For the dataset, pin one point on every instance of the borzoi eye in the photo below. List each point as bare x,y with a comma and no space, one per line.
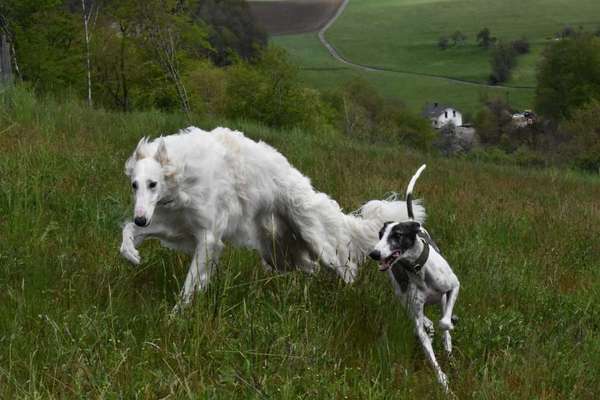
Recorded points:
152,185
134,185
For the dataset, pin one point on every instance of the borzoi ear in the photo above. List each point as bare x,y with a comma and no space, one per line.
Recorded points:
139,153
161,153
141,149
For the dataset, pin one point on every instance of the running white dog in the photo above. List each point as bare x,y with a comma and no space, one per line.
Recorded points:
195,189
420,276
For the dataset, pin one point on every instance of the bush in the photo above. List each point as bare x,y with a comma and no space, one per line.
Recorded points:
365,115
520,46
568,76
583,132
270,92
443,42
502,60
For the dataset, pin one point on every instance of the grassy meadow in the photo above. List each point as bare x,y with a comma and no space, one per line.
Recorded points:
77,321
320,70
402,36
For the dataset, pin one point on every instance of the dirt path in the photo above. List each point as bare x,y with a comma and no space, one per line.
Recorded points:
371,68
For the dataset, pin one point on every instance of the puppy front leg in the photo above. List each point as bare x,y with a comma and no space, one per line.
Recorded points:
198,276
418,319
446,321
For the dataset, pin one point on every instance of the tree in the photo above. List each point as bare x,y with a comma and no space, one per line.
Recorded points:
502,60
485,39
89,14
520,46
494,123
458,38
233,30
568,76
443,42
583,133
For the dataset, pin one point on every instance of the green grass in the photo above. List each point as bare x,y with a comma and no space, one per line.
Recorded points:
76,321
320,70
402,35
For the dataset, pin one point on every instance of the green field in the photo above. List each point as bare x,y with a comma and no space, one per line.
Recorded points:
402,35
77,321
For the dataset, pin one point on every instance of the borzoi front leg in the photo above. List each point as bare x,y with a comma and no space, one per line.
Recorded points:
133,236
205,257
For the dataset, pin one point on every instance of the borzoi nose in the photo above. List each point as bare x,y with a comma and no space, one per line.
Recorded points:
375,255
140,221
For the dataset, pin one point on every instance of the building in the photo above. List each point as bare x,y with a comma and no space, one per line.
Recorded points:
441,115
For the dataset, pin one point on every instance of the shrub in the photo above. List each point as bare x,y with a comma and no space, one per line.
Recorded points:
520,46
583,132
443,42
502,60
365,115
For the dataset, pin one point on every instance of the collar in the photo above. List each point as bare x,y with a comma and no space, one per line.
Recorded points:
164,202
414,266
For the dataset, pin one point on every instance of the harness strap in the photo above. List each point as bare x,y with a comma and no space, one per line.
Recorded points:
416,265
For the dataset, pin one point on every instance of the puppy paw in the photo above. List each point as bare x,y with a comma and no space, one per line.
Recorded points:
445,324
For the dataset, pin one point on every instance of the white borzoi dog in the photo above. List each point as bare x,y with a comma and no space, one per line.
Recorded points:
195,190
420,275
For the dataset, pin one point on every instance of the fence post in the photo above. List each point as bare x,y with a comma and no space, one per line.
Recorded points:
5,62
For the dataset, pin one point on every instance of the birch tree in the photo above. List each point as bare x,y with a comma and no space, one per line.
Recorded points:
89,13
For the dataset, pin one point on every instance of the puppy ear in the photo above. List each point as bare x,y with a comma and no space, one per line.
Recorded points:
414,226
161,153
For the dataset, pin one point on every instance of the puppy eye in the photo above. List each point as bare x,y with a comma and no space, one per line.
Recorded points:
152,185
134,185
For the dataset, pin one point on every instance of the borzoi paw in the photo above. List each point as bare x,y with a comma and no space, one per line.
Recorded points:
445,324
129,251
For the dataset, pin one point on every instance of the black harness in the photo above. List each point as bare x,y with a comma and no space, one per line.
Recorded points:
412,266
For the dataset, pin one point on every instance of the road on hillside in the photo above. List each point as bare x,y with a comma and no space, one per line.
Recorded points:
371,68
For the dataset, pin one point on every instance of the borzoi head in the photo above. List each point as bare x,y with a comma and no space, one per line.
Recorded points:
148,172
395,238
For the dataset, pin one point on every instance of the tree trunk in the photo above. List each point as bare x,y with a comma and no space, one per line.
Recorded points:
86,19
5,61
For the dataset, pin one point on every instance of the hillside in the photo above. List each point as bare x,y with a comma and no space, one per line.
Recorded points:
77,321
401,36
286,17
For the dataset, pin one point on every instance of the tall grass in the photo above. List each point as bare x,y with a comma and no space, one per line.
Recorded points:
76,321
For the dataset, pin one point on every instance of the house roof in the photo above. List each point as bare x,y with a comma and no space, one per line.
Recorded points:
434,110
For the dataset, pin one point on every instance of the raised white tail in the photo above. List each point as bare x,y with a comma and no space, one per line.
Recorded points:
409,190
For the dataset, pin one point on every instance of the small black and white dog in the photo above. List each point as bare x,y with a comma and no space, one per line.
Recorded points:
420,276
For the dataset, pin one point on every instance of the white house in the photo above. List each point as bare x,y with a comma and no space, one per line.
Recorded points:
441,115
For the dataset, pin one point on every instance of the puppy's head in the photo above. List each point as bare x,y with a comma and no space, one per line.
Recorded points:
395,238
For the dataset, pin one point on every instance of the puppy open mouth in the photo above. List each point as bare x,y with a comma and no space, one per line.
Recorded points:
387,262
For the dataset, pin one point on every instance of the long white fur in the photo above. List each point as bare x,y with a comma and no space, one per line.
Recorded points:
221,186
